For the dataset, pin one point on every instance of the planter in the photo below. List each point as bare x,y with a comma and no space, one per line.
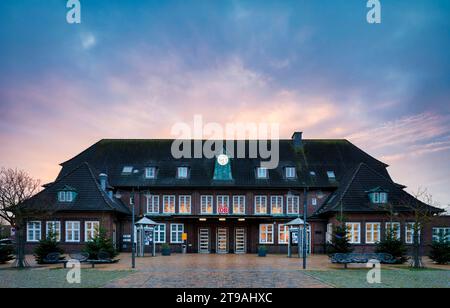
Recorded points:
165,251
262,252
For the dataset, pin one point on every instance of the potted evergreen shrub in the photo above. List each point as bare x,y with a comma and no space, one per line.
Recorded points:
47,246
440,250
100,242
262,251
165,249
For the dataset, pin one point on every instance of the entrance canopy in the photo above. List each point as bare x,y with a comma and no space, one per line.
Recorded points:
146,222
296,222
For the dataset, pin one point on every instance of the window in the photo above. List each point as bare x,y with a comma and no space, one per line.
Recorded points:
238,204
378,197
290,172
206,204
222,205
169,204
393,228
90,230
441,234
127,170
409,233
152,204
260,205
266,234
331,175
182,172
329,233
383,197
176,233
53,227
33,231
184,204
72,231
276,205
283,234
292,203
160,233
314,201
372,232
261,173
65,196
354,232
150,173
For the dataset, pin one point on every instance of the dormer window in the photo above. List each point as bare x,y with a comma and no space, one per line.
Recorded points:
378,195
150,173
127,170
290,172
66,196
331,175
261,173
182,172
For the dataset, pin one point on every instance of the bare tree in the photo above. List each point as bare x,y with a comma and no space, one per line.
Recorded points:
16,187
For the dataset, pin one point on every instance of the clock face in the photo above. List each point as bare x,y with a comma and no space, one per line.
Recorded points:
222,159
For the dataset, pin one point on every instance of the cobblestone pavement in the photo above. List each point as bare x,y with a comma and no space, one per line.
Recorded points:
218,271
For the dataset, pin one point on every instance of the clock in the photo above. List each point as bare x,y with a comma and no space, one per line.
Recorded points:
222,159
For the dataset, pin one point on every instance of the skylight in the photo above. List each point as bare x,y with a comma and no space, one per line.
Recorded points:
127,169
331,175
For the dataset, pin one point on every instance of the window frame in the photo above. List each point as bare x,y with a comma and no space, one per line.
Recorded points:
34,229
262,197
73,231
224,197
182,176
184,198
435,237
331,175
266,232
178,232
202,204
388,226
152,204
412,233
296,197
370,237
56,230
159,233
289,175
351,232
91,229
258,174
170,197
240,205
286,232
149,175
279,205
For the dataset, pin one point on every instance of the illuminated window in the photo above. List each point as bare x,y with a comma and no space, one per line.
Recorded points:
184,204
222,205
292,204
266,234
353,232
372,232
276,205
260,204
206,204
169,204
238,204
283,234
409,233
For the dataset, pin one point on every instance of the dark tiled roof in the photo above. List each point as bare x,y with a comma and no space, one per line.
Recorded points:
89,195
352,195
110,156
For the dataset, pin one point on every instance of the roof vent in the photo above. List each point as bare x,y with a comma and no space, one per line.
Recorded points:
297,140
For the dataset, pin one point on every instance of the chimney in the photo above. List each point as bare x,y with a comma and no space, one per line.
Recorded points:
103,180
297,140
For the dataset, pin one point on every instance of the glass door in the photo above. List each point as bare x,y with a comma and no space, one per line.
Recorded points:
203,240
239,240
222,240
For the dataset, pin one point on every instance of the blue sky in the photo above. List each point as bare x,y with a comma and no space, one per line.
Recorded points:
132,69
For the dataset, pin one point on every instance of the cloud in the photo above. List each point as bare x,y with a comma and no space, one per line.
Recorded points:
88,40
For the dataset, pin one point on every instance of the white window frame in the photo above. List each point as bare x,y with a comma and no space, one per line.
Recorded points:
260,205
221,199
91,227
206,200
179,233
65,196
182,172
152,203
383,197
407,231
36,228
150,173
350,226
266,232
398,231
373,228
186,200
160,233
436,233
72,231
283,229
291,210
290,172
239,204
277,204
262,173
169,197
314,201
55,226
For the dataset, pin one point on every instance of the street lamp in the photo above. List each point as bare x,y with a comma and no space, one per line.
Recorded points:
305,214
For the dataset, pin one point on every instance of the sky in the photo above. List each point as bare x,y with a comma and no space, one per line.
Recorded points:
132,69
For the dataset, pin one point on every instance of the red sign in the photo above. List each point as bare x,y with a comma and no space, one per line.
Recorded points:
223,209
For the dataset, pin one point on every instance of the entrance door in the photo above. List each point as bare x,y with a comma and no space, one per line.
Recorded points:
222,240
203,240
239,240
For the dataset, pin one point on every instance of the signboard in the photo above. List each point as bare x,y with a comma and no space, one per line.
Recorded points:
223,209
126,238
184,236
